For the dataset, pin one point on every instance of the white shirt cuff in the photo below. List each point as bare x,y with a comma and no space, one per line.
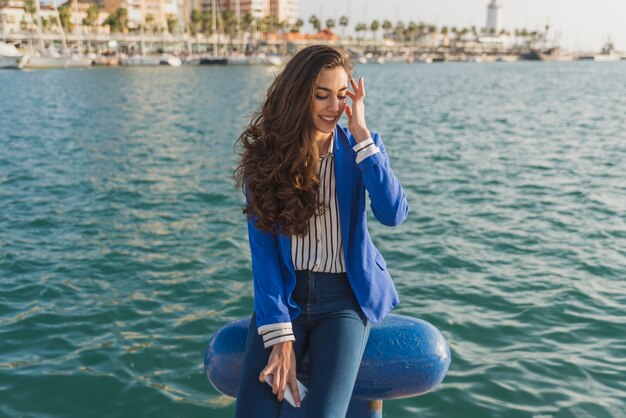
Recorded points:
272,341
276,333
371,150
358,147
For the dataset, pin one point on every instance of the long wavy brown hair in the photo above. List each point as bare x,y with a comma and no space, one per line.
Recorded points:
278,166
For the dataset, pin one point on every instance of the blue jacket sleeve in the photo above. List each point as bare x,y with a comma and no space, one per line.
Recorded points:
388,201
270,301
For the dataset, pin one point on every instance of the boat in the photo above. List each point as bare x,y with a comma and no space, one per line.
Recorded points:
259,59
138,60
608,54
507,58
471,58
424,59
171,60
47,59
108,60
213,60
550,54
10,57
78,60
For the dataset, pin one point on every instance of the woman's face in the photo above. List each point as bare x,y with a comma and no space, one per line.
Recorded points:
329,100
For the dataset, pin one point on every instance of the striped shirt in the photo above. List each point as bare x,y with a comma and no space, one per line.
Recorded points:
322,248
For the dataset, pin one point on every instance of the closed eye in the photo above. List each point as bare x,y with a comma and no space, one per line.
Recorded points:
318,97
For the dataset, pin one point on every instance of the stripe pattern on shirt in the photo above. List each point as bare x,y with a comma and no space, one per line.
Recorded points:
321,249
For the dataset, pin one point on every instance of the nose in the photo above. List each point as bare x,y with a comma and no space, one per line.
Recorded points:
334,104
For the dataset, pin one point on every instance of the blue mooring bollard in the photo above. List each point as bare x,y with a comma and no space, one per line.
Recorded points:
404,357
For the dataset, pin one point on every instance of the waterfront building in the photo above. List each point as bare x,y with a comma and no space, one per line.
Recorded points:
15,19
493,24
138,10
279,10
257,8
11,15
79,8
284,11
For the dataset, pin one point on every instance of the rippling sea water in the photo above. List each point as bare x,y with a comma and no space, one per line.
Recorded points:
123,248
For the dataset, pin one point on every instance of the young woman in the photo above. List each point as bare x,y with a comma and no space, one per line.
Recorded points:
319,282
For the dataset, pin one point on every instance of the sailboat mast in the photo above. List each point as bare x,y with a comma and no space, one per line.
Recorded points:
39,30
56,13
76,15
214,26
239,36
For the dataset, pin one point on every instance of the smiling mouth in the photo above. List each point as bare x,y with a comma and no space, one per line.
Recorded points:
328,118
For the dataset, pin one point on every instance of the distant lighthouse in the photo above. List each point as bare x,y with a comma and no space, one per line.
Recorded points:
493,26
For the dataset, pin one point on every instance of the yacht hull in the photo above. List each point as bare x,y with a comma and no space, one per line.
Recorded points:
36,62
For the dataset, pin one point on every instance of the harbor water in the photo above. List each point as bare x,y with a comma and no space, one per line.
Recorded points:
123,247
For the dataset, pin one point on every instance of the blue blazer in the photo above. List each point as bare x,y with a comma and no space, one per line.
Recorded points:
272,269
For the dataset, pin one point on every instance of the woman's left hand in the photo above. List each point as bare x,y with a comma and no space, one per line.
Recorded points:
356,112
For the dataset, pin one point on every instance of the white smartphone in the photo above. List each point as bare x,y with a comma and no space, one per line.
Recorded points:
288,394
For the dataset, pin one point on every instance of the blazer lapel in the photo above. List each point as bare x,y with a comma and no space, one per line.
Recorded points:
344,173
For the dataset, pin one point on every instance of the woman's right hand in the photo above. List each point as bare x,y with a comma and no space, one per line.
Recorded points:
282,365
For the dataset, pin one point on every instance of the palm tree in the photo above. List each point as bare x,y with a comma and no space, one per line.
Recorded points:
281,25
296,26
265,25
46,24
454,31
65,16
229,23
149,22
399,31
421,28
172,24
343,22
387,26
360,27
207,27
246,22
122,15
374,28
444,32
330,24
315,22
412,31
31,9
196,22
91,19
113,22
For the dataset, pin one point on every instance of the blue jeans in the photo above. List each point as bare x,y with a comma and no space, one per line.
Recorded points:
332,329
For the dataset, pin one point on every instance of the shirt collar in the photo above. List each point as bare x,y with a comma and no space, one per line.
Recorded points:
332,141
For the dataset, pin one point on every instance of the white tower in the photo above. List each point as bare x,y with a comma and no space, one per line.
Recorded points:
493,26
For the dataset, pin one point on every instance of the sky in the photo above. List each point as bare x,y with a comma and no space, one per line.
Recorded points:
581,25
